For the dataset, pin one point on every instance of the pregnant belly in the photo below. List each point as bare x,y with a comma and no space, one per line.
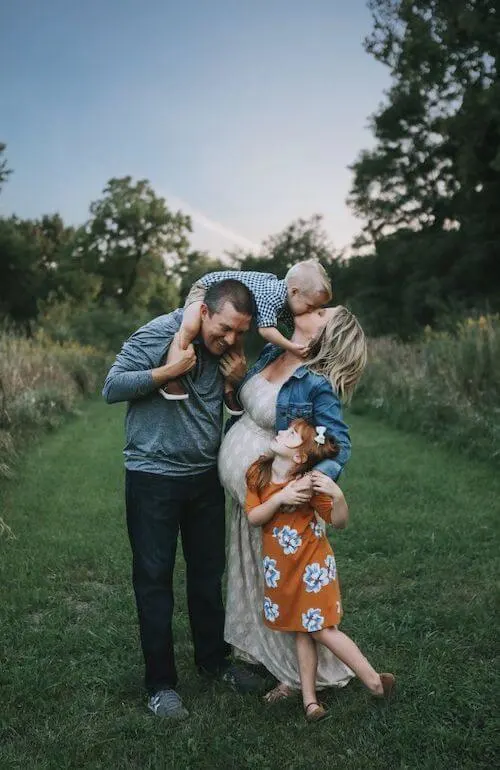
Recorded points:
242,445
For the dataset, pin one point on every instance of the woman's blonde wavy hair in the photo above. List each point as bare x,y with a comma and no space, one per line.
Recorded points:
339,352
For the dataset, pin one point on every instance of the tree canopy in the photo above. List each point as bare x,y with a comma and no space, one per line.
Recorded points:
4,169
428,191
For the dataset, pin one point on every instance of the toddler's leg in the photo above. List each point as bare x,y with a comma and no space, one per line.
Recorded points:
191,324
190,327
307,657
350,654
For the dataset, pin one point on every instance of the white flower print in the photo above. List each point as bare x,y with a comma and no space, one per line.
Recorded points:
288,538
313,620
331,567
316,528
271,574
271,610
315,577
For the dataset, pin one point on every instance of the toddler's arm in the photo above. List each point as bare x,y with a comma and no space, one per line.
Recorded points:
271,334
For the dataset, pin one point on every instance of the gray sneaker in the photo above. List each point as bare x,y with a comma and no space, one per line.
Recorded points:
166,703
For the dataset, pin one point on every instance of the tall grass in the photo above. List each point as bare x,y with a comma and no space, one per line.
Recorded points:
446,387
41,381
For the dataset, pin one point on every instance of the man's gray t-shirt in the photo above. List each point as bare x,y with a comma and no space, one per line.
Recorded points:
173,438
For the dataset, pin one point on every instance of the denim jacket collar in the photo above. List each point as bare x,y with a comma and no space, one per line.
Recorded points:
300,372
271,353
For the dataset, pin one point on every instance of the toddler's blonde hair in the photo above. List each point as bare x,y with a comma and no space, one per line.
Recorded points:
310,277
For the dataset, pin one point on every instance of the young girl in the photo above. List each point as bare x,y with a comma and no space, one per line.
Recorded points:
301,583
305,287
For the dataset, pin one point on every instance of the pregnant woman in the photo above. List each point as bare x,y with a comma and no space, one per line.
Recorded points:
277,390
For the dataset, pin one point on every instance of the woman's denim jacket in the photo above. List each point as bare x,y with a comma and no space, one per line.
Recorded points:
310,396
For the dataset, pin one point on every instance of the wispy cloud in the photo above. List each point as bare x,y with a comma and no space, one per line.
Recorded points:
202,220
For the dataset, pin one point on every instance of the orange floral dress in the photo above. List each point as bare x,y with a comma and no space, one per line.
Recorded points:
301,591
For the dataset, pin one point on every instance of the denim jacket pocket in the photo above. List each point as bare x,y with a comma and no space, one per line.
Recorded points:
300,410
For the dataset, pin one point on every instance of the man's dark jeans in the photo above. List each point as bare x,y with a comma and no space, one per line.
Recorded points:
157,507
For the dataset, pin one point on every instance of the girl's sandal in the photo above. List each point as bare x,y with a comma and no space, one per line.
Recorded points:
388,683
280,692
315,714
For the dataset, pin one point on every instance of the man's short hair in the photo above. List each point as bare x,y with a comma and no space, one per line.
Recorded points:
235,292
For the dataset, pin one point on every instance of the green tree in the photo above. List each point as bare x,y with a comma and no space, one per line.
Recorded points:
129,239
429,189
437,150
37,268
192,266
21,278
302,239
5,171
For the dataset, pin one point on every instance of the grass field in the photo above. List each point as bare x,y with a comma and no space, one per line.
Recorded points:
417,566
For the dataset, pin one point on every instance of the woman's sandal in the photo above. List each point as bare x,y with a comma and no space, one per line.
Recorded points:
280,692
314,715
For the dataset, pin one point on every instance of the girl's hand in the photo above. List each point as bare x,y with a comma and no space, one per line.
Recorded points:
324,485
297,492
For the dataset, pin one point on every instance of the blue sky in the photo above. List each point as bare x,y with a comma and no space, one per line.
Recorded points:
245,113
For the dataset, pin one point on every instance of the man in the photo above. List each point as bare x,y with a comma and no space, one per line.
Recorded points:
172,483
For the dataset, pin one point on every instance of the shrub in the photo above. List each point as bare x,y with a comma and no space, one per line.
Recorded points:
447,386
103,326
41,382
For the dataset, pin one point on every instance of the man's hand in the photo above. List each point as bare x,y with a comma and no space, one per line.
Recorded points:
178,363
181,360
233,366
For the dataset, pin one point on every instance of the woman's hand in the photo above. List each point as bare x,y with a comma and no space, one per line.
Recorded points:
297,492
324,485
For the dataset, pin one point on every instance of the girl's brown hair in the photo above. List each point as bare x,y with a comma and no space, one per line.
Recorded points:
259,474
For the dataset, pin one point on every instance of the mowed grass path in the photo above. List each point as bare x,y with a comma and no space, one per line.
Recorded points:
417,566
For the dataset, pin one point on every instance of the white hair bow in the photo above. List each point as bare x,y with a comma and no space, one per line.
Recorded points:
320,438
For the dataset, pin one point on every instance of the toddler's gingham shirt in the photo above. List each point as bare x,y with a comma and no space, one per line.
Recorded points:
270,294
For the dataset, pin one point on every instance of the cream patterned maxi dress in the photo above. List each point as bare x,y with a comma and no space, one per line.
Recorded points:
252,641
